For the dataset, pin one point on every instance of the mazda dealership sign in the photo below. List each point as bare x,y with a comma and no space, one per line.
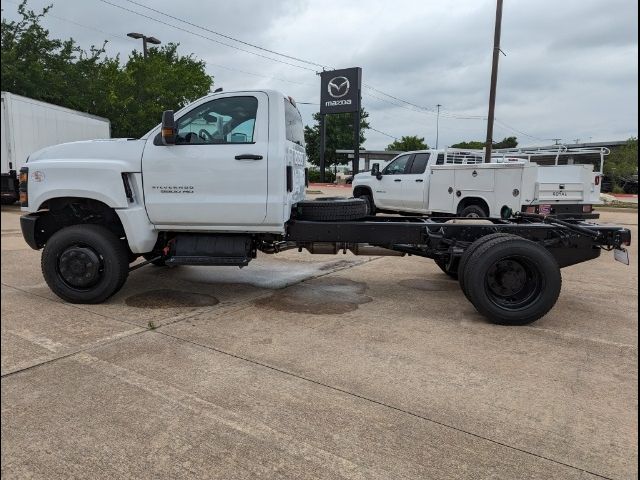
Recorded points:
340,90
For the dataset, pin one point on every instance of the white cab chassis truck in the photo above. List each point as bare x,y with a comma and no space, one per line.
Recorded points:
29,125
457,182
225,177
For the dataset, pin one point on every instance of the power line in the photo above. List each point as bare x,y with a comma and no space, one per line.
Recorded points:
227,36
205,37
383,133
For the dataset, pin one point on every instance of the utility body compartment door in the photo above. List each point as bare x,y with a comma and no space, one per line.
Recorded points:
216,173
441,189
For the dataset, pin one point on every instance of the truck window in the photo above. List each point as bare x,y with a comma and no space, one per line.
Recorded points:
398,166
220,121
440,159
293,123
419,164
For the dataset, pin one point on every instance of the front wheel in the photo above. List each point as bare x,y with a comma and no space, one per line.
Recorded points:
512,281
85,263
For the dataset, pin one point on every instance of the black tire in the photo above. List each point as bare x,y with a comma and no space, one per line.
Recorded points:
512,281
464,259
450,269
64,268
158,263
371,207
331,209
473,211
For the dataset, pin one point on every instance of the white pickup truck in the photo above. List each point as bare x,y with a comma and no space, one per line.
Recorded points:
224,178
457,182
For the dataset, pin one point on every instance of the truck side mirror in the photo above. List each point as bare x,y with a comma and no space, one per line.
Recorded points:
375,171
168,129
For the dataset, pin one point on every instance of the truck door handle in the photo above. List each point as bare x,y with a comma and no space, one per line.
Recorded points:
419,180
397,180
248,156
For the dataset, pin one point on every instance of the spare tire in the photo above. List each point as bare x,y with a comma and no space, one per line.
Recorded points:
332,209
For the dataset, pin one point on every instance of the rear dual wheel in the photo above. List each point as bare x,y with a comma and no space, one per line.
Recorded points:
510,280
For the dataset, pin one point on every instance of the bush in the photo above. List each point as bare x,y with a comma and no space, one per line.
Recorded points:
617,189
314,176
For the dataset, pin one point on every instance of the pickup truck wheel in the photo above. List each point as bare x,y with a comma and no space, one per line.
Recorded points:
512,281
473,211
85,263
464,259
371,207
332,209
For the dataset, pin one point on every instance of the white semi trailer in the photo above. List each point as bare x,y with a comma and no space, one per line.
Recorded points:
29,125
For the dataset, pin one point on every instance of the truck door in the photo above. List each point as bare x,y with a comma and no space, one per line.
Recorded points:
388,190
415,183
216,173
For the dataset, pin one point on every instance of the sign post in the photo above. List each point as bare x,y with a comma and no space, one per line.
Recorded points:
340,92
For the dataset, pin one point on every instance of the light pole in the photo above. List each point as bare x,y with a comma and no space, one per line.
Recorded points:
145,40
437,124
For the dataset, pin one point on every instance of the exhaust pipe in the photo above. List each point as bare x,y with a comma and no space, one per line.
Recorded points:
331,248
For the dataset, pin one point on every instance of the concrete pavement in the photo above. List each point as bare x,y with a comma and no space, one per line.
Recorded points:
303,366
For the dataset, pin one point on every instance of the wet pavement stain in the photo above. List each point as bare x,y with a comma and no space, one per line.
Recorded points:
170,299
338,264
429,285
320,296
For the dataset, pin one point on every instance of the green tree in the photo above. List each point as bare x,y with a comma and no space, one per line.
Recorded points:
623,161
407,144
339,137
507,142
132,95
162,81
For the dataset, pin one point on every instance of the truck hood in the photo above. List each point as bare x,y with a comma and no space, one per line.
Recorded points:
124,151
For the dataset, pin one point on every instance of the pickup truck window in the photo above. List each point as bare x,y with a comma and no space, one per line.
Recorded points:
419,164
293,123
220,121
398,166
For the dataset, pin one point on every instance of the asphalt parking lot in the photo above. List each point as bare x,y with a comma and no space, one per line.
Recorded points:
303,366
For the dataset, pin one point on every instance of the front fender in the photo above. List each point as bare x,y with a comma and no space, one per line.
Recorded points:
99,181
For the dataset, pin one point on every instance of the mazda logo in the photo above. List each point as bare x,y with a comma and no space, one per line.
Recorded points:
338,87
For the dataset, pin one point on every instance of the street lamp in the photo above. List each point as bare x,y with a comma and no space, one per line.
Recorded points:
145,40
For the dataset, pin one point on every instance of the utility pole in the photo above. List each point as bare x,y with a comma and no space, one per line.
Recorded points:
576,140
437,125
556,140
494,81
145,40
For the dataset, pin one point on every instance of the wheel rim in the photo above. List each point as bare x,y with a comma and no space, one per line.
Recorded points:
513,283
472,215
80,267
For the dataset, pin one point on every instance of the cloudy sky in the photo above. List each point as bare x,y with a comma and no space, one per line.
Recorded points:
570,70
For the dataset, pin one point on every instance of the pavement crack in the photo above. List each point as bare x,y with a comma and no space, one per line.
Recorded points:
75,351
385,405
